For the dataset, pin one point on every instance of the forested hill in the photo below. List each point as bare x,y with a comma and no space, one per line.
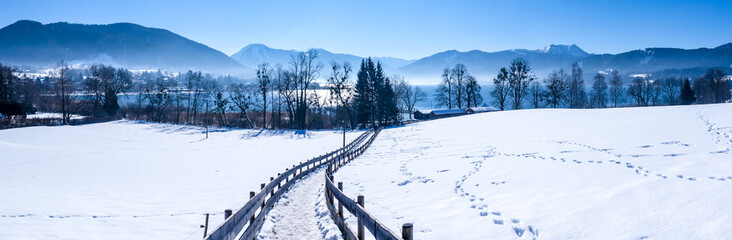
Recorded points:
122,44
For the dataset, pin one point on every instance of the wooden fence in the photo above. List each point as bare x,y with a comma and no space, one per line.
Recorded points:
246,222
356,208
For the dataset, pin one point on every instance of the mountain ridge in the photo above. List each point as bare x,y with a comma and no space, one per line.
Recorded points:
122,44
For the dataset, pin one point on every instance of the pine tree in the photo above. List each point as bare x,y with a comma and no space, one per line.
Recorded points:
363,98
687,95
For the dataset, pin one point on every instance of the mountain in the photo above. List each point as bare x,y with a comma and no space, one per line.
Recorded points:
487,63
656,59
255,54
120,44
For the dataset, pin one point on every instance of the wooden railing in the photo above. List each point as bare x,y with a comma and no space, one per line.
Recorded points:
356,208
246,222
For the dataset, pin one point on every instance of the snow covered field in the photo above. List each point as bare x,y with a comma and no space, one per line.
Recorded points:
629,173
129,180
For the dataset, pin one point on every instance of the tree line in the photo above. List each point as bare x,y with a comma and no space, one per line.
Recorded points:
517,87
279,97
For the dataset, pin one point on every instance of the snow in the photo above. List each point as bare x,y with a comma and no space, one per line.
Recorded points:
44,115
301,213
641,75
628,173
132,180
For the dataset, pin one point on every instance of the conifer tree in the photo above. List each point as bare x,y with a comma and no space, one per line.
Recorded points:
687,95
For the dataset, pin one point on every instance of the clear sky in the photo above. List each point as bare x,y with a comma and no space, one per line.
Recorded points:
406,29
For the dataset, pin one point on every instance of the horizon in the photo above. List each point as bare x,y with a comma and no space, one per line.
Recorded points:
409,59
470,25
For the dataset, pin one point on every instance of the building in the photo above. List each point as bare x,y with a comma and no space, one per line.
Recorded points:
422,114
443,113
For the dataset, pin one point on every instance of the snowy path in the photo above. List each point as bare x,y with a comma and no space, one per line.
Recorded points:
301,213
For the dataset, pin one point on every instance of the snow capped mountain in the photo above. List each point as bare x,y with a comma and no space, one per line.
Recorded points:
564,49
255,54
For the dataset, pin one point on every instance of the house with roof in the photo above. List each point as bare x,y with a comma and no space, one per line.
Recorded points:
443,113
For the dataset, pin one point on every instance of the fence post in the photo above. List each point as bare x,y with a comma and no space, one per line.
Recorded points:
227,214
340,205
271,179
251,195
331,194
265,196
360,202
205,227
407,231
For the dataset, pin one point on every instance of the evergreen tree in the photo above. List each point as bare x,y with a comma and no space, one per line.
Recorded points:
687,95
375,99
362,99
389,104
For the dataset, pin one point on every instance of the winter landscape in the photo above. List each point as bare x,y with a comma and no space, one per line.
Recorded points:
365,120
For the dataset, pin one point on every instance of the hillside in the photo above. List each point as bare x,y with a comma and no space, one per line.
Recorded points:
487,63
657,59
627,173
120,44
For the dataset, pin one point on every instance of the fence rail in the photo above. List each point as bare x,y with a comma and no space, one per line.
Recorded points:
356,208
246,222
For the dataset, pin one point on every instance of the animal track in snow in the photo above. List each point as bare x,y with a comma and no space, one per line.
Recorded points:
497,217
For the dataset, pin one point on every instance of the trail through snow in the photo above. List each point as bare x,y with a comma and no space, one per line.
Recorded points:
301,212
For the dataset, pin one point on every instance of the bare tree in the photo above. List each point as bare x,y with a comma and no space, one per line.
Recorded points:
408,95
221,104
598,98
472,91
157,94
519,78
305,70
264,85
444,93
640,91
193,83
672,90
576,88
536,94
655,92
340,89
556,84
616,88
242,98
64,92
459,75
501,88
719,88
96,83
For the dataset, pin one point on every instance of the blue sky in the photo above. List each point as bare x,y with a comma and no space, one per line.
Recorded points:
407,29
